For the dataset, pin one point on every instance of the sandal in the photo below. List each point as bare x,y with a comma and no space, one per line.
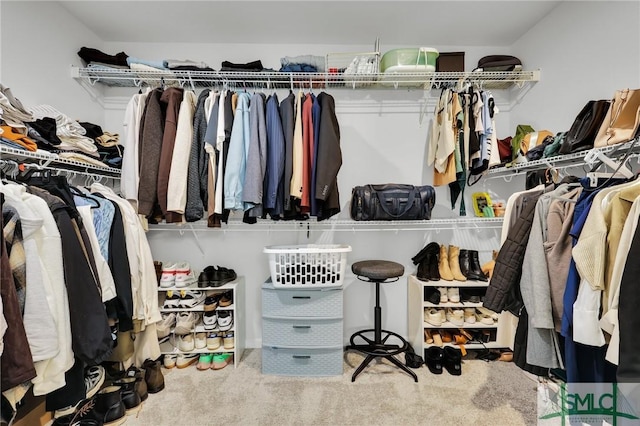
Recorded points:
204,362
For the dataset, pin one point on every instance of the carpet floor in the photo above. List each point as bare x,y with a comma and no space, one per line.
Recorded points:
495,393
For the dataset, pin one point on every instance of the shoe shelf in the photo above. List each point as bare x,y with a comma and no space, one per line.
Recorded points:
470,346
454,283
170,346
416,302
199,308
447,324
453,305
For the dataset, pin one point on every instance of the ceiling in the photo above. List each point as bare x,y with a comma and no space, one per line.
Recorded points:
434,23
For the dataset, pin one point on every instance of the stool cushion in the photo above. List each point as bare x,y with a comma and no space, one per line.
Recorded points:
377,270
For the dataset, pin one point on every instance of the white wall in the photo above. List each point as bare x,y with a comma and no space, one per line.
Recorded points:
39,44
586,50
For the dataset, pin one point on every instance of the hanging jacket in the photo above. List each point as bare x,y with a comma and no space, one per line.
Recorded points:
91,335
237,159
505,280
150,151
171,99
287,116
197,174
329,159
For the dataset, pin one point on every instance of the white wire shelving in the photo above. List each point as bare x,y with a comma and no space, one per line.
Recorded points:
339,225
55,163
575,159
272,80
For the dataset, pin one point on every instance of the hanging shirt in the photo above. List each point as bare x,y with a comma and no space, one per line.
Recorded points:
257,155
238,151
275,159
220,136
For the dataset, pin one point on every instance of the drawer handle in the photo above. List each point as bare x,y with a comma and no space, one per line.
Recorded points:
301,356
301,297
301,326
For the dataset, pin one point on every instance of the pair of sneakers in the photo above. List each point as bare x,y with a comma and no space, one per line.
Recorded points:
177,274
179,360
221,319
183,299
437,317
449,294
214,361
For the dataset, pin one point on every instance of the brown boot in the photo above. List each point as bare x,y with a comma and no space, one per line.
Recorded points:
487,268
153,376
454,263
443,265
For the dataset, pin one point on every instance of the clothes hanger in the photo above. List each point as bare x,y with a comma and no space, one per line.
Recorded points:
79,193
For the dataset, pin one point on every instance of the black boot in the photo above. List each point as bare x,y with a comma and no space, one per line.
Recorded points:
153,376
434,260
422,254
434,359
423,271
105,407
141,384
130,397
465,262
475,271
453,360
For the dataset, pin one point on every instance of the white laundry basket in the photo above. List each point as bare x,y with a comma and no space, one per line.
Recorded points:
307,266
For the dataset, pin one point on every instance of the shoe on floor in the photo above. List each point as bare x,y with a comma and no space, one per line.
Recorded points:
221,360
185,322
93,379
185,360
169,360
435,358
213,340
153,376
204,362
225,320
130,398
453,360
228,340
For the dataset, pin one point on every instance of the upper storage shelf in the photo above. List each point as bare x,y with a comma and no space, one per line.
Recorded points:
272,80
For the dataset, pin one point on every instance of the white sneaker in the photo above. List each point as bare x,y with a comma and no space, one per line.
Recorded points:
169,360
168,277
164,327
183,269
214,340
201,340
470,315
185,360
171,300
210,320
93,379
443,294
453,294
489,312
455,316
225,320
185,322
485,316
186,343
433,316
191,298
185,280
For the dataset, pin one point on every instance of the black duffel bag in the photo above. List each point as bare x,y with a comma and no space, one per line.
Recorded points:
392,202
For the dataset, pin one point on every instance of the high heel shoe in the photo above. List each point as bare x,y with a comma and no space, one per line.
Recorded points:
453,360
435,358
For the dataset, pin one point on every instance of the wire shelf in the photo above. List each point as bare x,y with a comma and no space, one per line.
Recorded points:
60,164
563,161
269,80
340,225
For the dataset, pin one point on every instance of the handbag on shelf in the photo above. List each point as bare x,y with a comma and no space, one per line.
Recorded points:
585,127
622,120
392,202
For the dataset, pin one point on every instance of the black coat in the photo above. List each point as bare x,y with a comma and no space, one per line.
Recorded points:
329,159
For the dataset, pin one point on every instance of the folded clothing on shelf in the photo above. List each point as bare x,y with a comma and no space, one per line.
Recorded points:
314,61
185,63
89,54
254,66
158,64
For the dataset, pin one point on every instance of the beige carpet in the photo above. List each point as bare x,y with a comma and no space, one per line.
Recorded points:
495,393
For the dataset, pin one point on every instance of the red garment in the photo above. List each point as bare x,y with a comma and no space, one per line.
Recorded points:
307,153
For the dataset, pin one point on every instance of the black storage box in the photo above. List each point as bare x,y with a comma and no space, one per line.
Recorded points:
450,62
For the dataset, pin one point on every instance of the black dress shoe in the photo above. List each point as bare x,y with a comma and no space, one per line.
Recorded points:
205,277
434,359
222,275
453,360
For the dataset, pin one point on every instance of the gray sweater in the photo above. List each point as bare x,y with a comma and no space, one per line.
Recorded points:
197,175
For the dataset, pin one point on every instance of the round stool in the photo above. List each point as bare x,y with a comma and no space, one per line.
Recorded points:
373,342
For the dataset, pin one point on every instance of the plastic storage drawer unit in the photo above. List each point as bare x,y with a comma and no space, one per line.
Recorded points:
302,332
301,303
302,361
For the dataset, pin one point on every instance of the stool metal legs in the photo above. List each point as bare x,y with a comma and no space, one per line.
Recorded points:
378,347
